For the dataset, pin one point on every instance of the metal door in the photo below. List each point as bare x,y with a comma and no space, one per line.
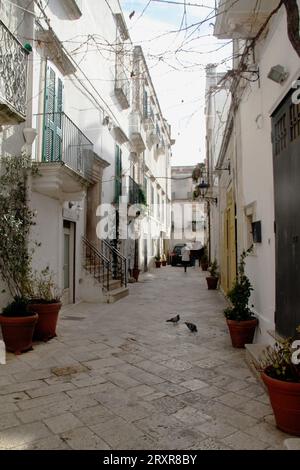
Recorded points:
286,162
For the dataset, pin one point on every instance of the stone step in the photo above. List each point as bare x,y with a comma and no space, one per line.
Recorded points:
292,444
116,294
114,284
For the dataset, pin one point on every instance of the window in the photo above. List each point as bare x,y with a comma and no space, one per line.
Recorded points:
280,135
158,206
152,201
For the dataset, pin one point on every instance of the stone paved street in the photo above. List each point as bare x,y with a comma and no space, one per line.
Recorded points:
119,377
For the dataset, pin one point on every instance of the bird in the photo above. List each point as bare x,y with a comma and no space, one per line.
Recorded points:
191,327
174,319
131,14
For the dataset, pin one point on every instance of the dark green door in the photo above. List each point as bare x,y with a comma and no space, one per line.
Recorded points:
286,162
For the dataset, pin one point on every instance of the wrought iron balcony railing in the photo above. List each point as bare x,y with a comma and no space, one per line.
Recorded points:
136,195
64,142
13,78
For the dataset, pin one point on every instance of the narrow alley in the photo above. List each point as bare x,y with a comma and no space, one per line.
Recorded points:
119,377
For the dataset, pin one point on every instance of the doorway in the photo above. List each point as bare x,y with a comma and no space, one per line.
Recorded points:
286,166
68,262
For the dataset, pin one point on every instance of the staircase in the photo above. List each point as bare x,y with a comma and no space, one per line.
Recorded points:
106,270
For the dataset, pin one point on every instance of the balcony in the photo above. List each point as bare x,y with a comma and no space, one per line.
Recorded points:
74,8
242,19
136,194
68,162
13,78
136,133
122,90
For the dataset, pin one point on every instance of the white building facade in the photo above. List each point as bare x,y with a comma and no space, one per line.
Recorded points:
258,197
75,81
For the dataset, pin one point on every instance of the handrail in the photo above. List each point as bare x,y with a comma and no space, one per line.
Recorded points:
114,249
105,264
118,262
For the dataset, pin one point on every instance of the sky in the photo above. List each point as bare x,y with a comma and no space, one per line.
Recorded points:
177,63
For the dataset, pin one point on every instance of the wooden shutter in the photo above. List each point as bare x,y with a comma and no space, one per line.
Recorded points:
53,121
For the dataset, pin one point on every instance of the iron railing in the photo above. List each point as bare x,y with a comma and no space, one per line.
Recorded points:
118,262
136,195
13,72
64,142
96,263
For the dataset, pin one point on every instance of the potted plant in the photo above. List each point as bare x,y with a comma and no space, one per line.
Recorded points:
157,261
17,326
164,260
240,319
204,260
213,279
45,299
16,220
280,372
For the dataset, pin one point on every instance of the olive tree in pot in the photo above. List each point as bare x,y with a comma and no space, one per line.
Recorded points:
240,319
45,299
213,279
280,371
16,220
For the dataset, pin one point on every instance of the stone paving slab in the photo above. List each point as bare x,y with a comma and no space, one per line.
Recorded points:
123,378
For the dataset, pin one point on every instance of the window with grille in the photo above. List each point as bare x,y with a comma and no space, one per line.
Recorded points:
294,121
280,135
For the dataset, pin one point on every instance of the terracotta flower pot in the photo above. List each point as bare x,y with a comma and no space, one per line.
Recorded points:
17,332
204,266
158,264
136,273
46,326
212,282
285,401
242,332
164,263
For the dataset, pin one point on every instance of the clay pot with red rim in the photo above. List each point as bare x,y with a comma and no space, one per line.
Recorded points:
212,282
285,401
136,273
242,332
17,332
45,328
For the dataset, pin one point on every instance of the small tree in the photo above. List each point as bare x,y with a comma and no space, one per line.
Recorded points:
16,220
240,294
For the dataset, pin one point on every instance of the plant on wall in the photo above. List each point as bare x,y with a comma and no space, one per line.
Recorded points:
15,224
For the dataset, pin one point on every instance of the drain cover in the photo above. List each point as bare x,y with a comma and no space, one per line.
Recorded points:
69,317
69,370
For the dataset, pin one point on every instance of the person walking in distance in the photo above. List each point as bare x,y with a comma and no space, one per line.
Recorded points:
185,257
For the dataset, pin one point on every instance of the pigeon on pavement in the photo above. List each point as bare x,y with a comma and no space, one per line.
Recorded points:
174,319
191,327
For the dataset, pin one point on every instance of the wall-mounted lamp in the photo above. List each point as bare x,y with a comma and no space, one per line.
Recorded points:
278,74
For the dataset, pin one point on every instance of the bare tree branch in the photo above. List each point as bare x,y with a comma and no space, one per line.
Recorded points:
293,23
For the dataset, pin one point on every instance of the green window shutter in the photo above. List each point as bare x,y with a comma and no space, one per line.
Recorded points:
118,173
52,147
